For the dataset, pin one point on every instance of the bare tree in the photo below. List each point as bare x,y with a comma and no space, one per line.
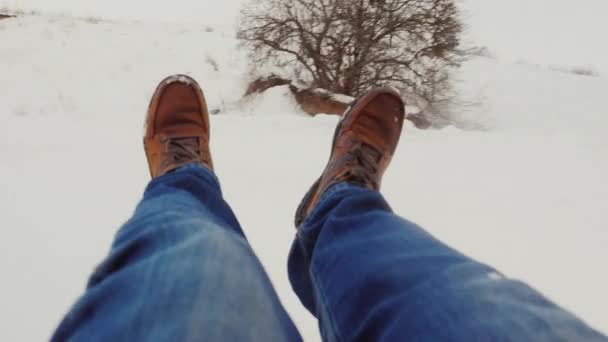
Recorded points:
348,46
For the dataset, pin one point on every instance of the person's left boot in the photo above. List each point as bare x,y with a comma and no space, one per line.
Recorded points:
364,143
177,126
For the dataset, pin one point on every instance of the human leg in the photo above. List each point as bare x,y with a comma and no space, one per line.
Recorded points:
369,275
181,268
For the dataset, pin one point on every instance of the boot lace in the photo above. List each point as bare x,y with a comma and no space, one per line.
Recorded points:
180,151
363,165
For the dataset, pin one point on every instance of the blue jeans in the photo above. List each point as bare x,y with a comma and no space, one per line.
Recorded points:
181,270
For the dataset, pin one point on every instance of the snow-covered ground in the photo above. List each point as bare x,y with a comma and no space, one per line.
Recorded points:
528,196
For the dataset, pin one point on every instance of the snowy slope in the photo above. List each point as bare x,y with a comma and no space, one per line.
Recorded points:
528,196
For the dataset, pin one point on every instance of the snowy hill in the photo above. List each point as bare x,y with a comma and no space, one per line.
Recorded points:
527,196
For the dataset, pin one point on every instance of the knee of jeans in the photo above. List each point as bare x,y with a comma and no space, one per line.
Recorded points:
172,233
216,246
218,256
192,246
225,241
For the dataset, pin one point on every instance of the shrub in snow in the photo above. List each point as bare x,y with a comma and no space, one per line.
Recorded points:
348,46
6,16
577,70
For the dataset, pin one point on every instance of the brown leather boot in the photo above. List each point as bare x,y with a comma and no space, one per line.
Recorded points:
177,126
364,142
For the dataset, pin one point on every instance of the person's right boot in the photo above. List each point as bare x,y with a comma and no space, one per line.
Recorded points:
364,142
177,126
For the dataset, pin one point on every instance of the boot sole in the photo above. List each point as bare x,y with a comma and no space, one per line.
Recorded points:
357,106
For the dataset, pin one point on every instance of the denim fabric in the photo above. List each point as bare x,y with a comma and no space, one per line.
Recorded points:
181,270
369,275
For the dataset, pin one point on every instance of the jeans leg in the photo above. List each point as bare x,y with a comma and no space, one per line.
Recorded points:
180,270
369,275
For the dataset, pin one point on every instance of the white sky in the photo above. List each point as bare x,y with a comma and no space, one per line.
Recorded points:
548,32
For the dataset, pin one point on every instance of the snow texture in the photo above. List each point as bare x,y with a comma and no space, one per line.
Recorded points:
527,196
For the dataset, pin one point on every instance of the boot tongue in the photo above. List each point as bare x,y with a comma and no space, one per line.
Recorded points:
364,164
181,151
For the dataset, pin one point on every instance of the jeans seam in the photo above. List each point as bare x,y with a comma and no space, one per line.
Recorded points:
323,300
302,235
